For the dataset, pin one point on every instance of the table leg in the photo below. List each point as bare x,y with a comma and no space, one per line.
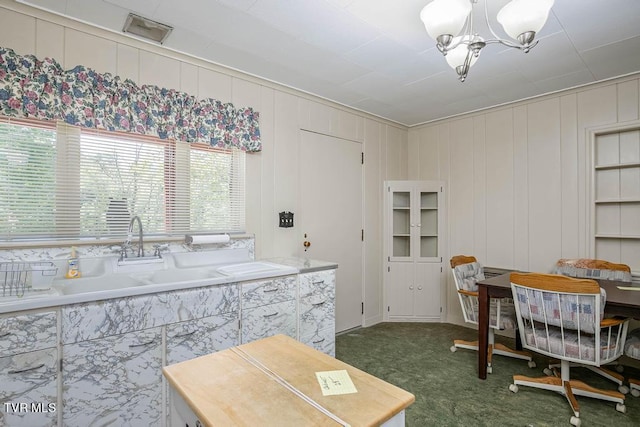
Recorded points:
483,331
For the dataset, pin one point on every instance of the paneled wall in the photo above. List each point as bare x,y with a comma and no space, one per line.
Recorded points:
272,175
519,175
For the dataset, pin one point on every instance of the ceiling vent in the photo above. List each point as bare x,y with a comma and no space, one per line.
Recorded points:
146,28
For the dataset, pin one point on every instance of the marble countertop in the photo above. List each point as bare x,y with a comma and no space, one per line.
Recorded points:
53,298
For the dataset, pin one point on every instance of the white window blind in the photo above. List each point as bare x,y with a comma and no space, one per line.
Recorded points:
28,179
78,183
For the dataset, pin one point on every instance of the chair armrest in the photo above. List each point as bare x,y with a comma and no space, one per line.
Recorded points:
612,321
468,293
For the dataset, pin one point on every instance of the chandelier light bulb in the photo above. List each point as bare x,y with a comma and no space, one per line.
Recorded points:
457,56
445,17
524,16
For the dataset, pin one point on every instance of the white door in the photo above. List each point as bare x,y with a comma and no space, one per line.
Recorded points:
331,216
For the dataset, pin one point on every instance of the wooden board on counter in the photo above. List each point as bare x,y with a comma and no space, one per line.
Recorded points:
267,382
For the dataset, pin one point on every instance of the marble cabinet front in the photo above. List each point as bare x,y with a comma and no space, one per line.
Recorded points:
317,310
116,380
29,388
195,338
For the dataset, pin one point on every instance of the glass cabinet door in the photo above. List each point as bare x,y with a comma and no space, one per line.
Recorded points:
401,224
414,221
428,224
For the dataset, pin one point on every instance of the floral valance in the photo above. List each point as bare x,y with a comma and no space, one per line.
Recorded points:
41,89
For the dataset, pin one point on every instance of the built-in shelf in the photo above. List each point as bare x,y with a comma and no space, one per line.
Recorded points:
616,195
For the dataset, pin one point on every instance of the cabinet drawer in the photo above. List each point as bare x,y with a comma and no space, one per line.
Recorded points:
268,320
263,292
29,378
27,332
318,283
323,340
187,340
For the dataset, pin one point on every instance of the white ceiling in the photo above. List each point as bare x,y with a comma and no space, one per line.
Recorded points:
375,55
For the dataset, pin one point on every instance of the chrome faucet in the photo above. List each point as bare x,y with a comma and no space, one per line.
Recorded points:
140,236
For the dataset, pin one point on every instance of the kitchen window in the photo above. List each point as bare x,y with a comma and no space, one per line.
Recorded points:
64,182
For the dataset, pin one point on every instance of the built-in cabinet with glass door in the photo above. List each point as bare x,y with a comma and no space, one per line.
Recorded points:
413,256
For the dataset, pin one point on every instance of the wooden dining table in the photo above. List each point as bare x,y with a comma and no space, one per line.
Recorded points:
620,302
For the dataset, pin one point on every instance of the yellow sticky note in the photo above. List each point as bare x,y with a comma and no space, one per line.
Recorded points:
335,382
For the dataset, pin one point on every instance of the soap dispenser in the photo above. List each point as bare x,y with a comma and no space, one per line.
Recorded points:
73,265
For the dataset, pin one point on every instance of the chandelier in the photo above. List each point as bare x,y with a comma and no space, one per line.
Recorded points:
450,24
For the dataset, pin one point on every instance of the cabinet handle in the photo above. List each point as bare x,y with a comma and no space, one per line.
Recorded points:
318,303
419,288
5,334
186,334
270,290
319,341
19,371
319,282
410,288
271,315
142,344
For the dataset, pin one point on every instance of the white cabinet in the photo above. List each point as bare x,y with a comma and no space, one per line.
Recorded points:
413,232
114,380
317,310
29,370
268,308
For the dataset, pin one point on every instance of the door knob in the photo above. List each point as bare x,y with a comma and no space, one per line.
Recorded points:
306,243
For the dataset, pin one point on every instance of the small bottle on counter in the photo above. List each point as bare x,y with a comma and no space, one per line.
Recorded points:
73,265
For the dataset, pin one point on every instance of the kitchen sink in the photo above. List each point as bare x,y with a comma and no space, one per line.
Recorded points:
178,275
94,284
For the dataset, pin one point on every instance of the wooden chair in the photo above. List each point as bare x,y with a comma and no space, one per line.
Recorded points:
588,268
466,272
562,317
632,350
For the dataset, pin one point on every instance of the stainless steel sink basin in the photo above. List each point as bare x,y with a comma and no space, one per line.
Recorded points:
95,284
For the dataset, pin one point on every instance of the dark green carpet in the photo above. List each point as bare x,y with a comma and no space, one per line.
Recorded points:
416,357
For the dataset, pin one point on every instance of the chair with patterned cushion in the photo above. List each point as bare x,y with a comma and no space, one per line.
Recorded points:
592,269
632,350
562,317
466,272
587,268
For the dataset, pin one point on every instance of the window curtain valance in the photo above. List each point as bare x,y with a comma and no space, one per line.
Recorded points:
42,89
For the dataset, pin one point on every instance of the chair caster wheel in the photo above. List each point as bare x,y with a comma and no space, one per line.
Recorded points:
623,389
548,372
635,392
575,421
621,408
531,364
453,349
513,388
620,369
489,370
